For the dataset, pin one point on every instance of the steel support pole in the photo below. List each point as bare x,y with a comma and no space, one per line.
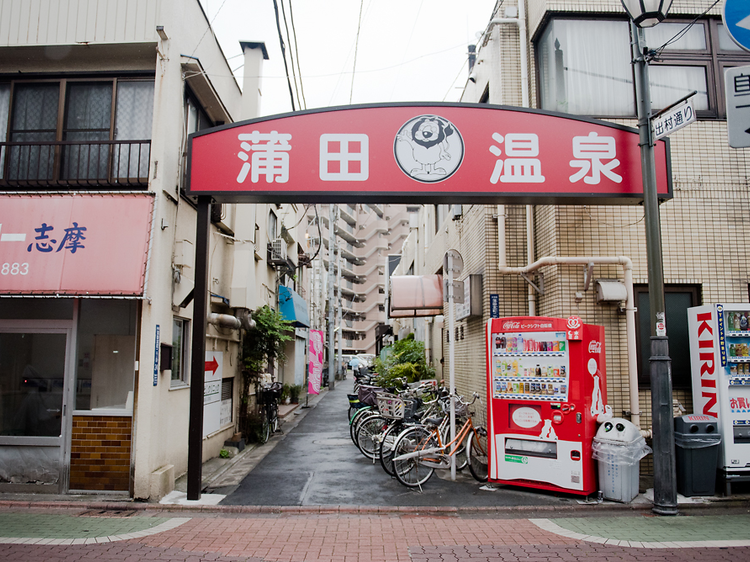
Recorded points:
331,342
198,359
665,479
451,358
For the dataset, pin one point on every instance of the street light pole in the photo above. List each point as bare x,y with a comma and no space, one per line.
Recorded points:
665,481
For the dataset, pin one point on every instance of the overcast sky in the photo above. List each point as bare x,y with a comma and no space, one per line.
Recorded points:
408,50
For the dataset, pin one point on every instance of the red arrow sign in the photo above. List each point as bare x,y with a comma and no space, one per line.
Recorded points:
212,366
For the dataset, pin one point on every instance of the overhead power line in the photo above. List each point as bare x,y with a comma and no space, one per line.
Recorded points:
356,47
283,54
291,53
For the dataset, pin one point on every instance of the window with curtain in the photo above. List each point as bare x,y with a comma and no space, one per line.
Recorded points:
62,130
135,109
33,120
4,109
88,116
180,352
585,68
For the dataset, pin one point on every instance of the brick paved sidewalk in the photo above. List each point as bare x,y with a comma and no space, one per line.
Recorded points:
296,536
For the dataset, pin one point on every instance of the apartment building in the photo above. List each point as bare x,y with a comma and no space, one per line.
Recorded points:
97,102
575,58
363,236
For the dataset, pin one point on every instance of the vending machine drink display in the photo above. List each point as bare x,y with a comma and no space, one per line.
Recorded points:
720,364
546,387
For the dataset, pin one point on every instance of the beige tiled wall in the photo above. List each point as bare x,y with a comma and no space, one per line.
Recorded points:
705,229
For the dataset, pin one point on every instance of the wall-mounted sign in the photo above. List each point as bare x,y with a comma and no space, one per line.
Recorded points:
74,244
214,368
472,303
446,153
674,119
494,305
156,357
737,88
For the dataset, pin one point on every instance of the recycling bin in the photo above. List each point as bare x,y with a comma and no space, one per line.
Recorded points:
697,442
618,448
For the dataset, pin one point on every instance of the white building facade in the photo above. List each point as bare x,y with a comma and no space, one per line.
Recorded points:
96,104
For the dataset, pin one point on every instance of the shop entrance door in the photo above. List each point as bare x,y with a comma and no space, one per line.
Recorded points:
35,365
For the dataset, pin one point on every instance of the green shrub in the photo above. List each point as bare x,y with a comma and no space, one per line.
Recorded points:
294,392
405,359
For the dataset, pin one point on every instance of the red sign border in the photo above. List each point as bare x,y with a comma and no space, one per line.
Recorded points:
422,196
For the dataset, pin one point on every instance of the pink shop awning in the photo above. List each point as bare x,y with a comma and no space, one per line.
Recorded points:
416,295
76,244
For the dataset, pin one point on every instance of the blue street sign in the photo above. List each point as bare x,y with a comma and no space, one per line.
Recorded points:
156,357
737,21
494,306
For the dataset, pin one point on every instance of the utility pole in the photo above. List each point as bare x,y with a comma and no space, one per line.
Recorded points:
665,480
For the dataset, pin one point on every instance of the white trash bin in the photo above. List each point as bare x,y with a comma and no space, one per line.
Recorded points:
619,447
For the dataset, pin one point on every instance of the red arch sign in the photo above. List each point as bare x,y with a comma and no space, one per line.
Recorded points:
419,153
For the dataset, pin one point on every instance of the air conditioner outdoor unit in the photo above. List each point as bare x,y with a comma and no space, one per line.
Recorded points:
278,251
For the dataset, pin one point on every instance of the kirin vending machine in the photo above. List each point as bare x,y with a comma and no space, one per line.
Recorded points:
720,364
546,386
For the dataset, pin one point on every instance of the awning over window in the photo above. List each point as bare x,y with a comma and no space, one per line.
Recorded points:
293,307
416,295
78,244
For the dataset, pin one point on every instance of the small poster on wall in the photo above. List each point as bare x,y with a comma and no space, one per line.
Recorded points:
315,367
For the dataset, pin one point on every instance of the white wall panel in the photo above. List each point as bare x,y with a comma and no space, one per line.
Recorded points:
55,22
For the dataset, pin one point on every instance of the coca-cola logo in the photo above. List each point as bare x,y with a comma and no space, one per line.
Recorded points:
595,346
574,322
509,325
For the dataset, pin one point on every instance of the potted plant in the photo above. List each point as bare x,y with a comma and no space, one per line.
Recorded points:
294,391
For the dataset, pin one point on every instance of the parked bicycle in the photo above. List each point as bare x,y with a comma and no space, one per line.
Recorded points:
268,400
419,450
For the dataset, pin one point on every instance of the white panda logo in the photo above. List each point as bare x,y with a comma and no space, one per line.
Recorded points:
429,148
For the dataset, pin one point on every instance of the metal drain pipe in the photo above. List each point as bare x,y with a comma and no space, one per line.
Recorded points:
627,266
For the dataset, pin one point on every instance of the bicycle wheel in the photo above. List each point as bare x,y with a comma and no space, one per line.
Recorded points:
358,418
477,448
462,457
369,433
385,447
410,471
274,418
265,429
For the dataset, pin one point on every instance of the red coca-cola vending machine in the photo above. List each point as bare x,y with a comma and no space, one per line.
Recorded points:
546,387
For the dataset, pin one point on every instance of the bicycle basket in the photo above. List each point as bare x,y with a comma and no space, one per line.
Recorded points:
462,410
269,393
353,399
391,406
368,395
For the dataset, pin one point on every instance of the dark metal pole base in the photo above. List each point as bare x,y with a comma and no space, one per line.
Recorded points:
663,510
665,478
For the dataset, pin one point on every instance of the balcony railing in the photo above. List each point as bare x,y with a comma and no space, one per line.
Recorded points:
119,163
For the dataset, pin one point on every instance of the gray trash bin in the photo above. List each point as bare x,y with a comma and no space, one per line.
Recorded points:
697,443
619,447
